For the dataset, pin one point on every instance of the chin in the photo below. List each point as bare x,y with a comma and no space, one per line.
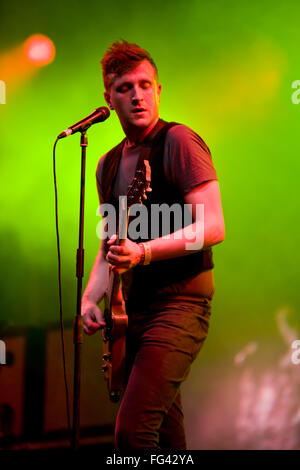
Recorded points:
141,122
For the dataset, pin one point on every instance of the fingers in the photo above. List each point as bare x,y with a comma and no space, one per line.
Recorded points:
121,258
90,327
97,315
119,250
92,319
120,270
115,247
112,240
118,255
117,260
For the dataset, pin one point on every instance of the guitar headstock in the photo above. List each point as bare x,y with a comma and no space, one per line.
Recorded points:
139,185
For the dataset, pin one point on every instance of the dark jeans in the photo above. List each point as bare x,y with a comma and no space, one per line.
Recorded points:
162,342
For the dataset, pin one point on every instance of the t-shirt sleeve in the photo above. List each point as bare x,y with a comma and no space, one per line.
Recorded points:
99,171
187,159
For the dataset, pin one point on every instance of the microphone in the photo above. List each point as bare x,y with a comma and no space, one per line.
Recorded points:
99,115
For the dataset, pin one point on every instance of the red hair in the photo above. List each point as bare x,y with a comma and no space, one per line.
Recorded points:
121,57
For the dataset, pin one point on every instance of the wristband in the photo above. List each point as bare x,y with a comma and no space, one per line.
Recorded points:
142,248
146,256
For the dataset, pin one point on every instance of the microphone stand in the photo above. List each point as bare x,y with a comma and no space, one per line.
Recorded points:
77,331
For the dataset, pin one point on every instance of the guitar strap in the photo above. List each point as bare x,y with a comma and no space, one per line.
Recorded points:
160,130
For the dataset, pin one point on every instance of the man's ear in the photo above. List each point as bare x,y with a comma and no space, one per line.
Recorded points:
107,99
159,90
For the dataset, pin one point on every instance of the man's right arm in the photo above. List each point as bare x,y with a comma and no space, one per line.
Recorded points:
98,281
92,316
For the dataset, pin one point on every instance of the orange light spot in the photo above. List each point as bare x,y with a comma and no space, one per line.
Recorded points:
39,50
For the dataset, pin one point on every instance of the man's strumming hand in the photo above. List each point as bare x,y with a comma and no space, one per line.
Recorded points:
92,317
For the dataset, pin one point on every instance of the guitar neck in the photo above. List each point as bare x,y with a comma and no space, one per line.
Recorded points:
114,278
136,192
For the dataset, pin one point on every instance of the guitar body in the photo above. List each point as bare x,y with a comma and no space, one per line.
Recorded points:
114,343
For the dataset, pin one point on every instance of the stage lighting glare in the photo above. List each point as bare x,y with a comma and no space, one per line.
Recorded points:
40,50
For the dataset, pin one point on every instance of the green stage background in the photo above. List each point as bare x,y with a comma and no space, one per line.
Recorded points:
226,70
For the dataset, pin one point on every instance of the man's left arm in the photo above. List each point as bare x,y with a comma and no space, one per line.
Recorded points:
201,234
209,231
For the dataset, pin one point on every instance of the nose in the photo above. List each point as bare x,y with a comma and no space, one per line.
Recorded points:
137,95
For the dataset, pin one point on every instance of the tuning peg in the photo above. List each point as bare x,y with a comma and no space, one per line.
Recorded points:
107,356
104,368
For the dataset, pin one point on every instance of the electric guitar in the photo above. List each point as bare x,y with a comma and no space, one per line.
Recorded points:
114,333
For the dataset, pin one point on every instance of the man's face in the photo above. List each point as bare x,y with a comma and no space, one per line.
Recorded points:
135,96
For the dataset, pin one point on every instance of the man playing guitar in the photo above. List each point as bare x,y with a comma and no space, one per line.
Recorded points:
167,277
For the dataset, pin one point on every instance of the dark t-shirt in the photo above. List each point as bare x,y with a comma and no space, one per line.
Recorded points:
187,163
